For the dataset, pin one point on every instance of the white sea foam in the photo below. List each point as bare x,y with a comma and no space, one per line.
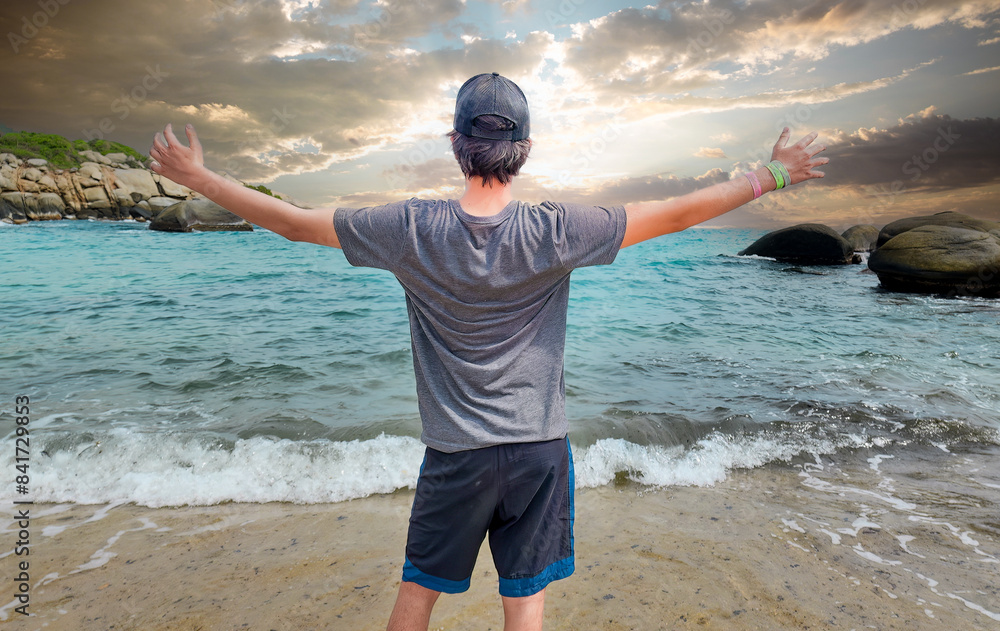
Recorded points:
706,463
175,469
156,469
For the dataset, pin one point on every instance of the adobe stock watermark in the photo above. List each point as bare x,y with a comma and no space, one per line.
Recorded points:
563,12
382,15
591,149
915,167
713,27
903,12
402,174
227,6
127,102
981,284
32,25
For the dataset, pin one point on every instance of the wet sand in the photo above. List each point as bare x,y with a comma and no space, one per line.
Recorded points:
866,540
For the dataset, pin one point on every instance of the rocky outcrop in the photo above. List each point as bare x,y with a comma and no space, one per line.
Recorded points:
804,244
114,186
943,259
863,237
197,215
953,219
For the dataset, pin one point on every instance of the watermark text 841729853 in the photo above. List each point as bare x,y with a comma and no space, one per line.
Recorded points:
22,514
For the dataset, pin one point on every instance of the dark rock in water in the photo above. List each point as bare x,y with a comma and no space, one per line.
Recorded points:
951,260
10,213
137,212
949,218
862,238
86,213
804,244
198,214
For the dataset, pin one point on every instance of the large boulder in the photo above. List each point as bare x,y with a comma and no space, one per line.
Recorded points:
171,188
139,182
200,215
953,260
862,238
158,204
21,201
49,206
96,197
804,244
8,179
948,218
34,207
123,199
47,183
9,213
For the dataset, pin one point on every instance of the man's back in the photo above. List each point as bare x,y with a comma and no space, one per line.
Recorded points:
487,299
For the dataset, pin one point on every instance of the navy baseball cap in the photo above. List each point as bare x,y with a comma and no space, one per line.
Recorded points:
489,93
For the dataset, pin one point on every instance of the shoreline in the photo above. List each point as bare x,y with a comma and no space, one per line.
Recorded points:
863,539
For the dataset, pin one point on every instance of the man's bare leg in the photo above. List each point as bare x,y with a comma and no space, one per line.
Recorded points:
412,611
525,613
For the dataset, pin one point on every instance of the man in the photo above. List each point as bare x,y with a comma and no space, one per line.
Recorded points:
486,280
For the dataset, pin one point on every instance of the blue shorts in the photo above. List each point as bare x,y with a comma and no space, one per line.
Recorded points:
521,494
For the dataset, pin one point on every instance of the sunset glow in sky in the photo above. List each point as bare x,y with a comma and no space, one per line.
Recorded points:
347,102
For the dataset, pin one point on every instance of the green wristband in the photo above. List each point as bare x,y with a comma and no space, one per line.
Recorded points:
784,172
779,181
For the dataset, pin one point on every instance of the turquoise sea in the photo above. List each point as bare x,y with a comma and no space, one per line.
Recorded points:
169,369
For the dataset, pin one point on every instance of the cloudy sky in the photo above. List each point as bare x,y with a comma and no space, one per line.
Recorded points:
347,102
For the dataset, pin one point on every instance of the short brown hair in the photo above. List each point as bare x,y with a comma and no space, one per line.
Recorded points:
491,160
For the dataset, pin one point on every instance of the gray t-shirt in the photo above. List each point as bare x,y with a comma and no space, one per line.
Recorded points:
486,298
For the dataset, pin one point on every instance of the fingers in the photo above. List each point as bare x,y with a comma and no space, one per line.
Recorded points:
811,171
783,138
158,142
193,141
168,133
807,140
165,141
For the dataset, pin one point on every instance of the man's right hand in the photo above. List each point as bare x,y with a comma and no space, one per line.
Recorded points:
174,161
799,158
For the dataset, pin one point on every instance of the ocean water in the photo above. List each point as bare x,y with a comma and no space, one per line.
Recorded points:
172,369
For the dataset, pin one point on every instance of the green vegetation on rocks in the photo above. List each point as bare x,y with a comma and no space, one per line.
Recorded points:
58,151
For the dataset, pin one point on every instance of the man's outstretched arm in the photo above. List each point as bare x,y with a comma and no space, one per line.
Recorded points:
652,219
185,166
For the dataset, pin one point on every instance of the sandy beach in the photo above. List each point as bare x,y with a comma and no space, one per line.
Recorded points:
869,541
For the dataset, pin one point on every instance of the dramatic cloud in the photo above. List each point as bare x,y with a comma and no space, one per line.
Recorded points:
670,47
348,101
929,153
